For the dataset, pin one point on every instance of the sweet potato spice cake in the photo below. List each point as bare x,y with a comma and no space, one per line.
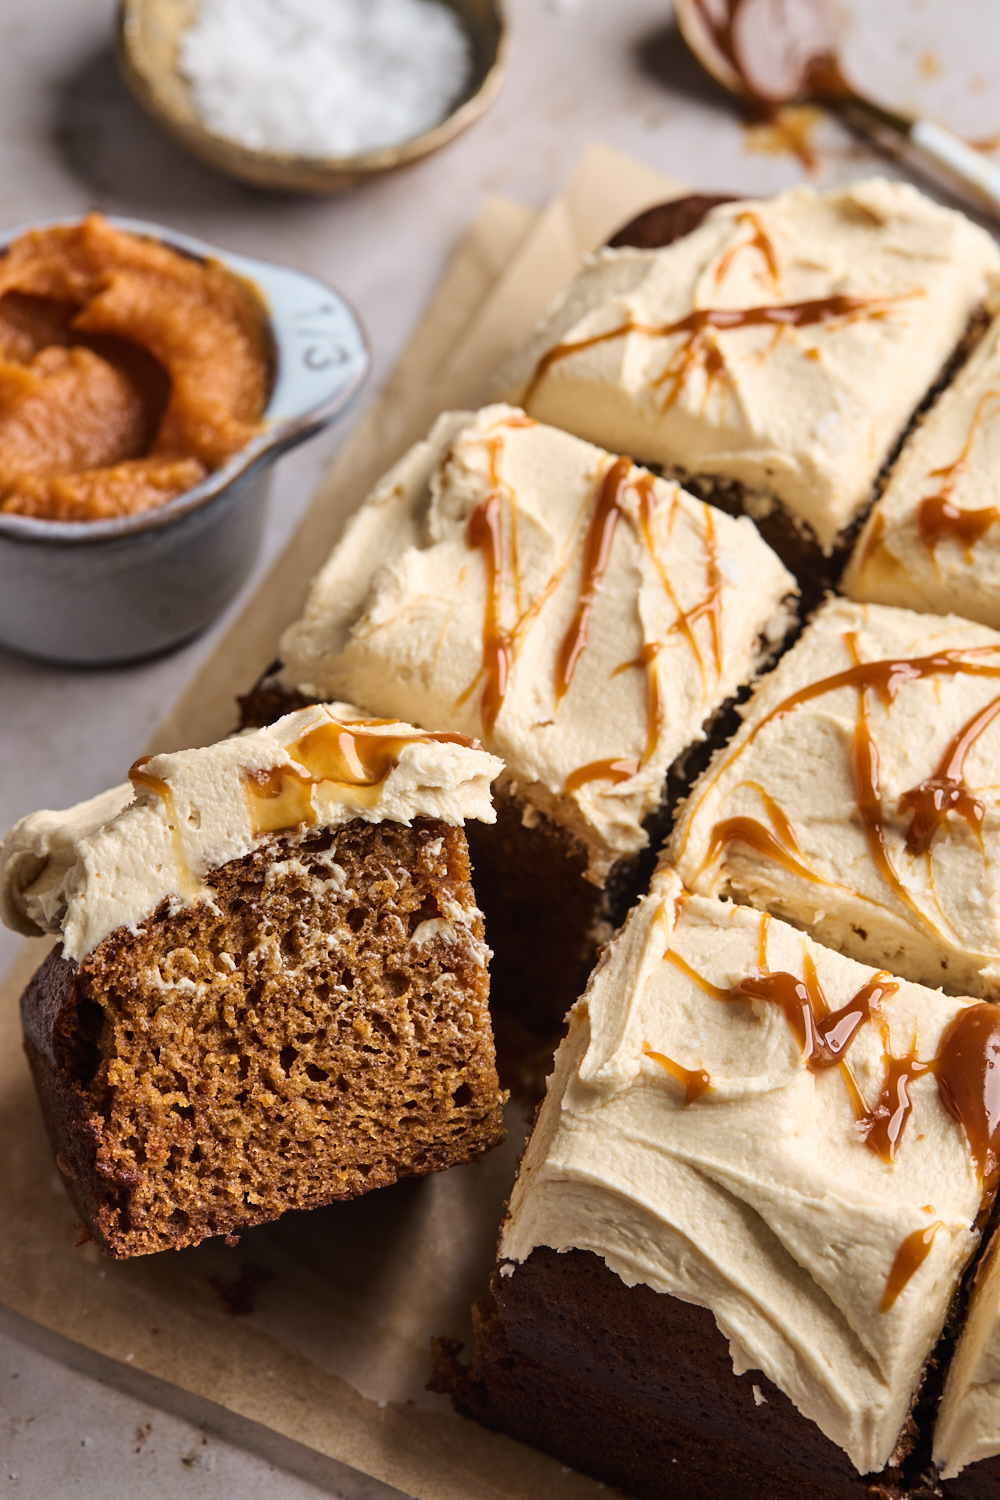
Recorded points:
271,989
742,1218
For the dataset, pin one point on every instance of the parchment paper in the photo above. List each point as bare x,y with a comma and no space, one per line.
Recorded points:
319,1326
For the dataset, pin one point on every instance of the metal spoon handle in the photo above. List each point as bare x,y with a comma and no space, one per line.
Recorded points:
939,146
959,159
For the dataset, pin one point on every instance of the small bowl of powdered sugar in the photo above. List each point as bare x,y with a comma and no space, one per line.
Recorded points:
312,95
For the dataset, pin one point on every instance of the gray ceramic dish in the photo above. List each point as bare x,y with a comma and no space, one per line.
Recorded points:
94,592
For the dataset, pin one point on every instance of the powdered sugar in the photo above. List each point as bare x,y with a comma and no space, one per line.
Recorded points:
324,77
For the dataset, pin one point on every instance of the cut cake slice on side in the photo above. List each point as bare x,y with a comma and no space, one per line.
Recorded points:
742,1217
272,988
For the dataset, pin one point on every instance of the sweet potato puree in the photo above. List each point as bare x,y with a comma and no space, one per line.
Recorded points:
128,371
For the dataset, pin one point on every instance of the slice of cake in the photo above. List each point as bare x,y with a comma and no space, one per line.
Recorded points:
272,989
859,798
772,357
584,619
932,541
967,1431
742,1216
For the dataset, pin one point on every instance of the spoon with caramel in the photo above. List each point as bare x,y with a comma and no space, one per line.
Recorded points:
774,52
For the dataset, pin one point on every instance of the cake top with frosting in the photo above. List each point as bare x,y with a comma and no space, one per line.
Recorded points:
859,797
783,344
580,616
110,861
798,1142
932,540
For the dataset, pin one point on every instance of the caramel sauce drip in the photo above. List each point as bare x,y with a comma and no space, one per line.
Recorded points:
823,1035
279,799
645,488
714,990
599,540
744,830
945,791
938,516
696,1081
138,776
865,765
695,327
484,533
909,1258
759,240
709,607
967,1068
602,770
882,1124
334,755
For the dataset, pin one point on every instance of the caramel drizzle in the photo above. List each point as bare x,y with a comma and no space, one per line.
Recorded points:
602,770
824,1036
885,678
597,545
937,515
945,791
332,755
139,777
966,1070
710,607
695,1080
759,240
746,830
697,325
909,1258
644,486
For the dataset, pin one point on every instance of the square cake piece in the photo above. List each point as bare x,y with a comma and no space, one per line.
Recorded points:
584,619
773,356
859,798
742,1217
932,541
272,987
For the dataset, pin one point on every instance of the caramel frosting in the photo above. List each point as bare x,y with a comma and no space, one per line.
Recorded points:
968,1421
784,344
578,615
110,862
932,541
726,1123
859,798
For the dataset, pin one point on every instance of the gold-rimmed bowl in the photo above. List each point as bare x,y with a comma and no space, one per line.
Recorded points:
149,39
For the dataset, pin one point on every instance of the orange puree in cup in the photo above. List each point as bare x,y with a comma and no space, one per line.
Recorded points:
128,371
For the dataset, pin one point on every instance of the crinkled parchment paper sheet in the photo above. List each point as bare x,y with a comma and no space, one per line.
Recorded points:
331,1349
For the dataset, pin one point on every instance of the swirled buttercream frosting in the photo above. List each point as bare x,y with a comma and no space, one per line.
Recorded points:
580,616
783,344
